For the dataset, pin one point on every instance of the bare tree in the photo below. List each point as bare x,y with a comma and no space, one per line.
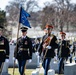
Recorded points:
61,14
64,8
47,16
13,8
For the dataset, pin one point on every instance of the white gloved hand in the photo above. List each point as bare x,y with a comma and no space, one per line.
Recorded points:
16,61
6,60
14,58
48,47
44,45
74,58
37,53
30,60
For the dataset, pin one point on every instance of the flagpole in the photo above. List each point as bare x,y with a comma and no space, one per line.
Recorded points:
26,23
16,42
16,46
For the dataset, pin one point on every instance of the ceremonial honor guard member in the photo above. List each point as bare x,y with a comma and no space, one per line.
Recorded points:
63,52
48,45
23,50
4,49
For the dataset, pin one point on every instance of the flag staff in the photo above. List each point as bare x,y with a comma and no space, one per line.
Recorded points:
22,19
17,41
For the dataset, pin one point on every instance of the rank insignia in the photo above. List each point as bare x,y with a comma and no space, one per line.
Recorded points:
2,42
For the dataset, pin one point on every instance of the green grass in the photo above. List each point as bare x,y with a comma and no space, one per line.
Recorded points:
27,71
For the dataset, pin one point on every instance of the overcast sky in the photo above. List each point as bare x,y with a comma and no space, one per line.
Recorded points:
3,3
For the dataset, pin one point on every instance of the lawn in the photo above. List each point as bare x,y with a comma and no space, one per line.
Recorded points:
27,71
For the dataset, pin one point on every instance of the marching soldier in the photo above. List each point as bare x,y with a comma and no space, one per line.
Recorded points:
74,48
73,52
23,50
48,45
63,52
4,49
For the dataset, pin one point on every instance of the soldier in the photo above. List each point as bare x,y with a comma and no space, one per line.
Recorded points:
4,49
48,45
23,50
74,48
63,52
73,51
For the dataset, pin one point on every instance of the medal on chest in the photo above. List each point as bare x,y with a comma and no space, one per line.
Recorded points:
26,43
2,42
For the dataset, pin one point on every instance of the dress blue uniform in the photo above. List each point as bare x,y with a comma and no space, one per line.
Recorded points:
23,51
4,48
48,54
63,52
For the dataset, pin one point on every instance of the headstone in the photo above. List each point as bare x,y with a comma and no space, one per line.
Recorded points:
38,65
34,57
34,63
37,69
4,73
11,61
5,68
54,64
51,72
70,69
35,72
41,70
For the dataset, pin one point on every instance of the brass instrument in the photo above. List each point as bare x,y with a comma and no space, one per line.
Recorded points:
47,41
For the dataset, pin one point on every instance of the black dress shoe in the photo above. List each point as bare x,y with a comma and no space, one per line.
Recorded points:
61,72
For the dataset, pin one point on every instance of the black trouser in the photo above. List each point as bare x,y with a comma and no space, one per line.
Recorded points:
1,66
61,64
21,64
45,65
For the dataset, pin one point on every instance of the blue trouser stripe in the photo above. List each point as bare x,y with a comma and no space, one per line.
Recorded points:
45,65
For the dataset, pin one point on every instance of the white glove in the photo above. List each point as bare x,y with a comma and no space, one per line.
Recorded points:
44,45
48,47
16,61
75,58
37,53
30,60
71,55
14,58
6,60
